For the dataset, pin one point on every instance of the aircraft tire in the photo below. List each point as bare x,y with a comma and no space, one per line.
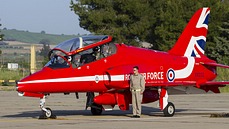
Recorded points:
169,110
49,114
96,109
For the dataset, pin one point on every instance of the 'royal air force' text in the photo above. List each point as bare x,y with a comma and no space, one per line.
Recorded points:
149,76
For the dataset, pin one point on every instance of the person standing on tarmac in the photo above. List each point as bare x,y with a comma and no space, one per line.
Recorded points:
137,87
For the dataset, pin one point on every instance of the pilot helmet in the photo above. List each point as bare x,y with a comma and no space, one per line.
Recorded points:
96,49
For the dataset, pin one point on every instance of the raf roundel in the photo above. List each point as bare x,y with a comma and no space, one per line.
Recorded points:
170,75
96,78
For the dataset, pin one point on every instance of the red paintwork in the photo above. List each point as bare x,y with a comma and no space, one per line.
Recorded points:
154,65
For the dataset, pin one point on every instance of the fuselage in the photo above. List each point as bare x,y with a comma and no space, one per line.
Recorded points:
113,71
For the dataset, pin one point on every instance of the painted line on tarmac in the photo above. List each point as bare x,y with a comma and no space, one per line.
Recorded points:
125,118
16,120
148,118
28,120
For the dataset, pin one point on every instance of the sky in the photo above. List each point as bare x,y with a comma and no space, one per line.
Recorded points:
51,16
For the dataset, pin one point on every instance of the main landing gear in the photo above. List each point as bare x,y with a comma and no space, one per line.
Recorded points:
46,112
96,109
168,108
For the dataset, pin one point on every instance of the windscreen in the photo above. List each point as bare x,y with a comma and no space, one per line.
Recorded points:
58,59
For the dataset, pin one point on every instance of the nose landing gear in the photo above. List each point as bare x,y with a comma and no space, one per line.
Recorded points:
46,112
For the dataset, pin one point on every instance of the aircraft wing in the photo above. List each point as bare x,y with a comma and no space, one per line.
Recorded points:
190,83
194,86
186,83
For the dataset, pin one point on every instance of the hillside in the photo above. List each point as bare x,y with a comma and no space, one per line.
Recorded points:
31,37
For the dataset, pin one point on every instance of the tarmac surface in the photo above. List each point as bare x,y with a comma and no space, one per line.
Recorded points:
192,112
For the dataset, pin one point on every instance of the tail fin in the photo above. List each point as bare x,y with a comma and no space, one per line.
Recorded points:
192,41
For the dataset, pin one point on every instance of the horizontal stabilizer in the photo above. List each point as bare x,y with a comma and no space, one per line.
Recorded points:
211,83
188,83
207,86
214,64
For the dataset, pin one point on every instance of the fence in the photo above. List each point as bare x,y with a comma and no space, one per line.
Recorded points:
8,82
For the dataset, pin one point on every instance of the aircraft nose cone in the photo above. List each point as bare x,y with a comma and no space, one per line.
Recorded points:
19,89
16,85
19,86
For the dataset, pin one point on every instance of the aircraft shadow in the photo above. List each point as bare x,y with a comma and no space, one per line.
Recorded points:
150,111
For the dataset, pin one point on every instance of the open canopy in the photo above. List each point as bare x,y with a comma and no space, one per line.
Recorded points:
74,51
80,42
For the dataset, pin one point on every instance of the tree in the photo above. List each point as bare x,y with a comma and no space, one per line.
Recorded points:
217,40
43,32
157,22
1,38
173,15
221,49
45,41
126,20
44,52
1,35
171,18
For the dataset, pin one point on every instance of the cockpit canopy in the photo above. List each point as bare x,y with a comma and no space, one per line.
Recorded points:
76,43
79,51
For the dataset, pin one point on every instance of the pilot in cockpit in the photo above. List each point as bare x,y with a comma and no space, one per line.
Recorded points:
90,57
92,54
96,52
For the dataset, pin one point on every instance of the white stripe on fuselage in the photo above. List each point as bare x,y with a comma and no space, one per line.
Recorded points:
77,79
185,72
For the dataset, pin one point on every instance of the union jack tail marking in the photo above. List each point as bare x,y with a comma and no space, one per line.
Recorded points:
192,41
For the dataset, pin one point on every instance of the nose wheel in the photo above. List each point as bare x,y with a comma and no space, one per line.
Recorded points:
46,112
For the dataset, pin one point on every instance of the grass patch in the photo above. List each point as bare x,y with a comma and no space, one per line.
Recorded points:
224,89
6,74
223,74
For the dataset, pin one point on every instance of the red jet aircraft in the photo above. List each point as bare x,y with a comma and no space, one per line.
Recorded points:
96,64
